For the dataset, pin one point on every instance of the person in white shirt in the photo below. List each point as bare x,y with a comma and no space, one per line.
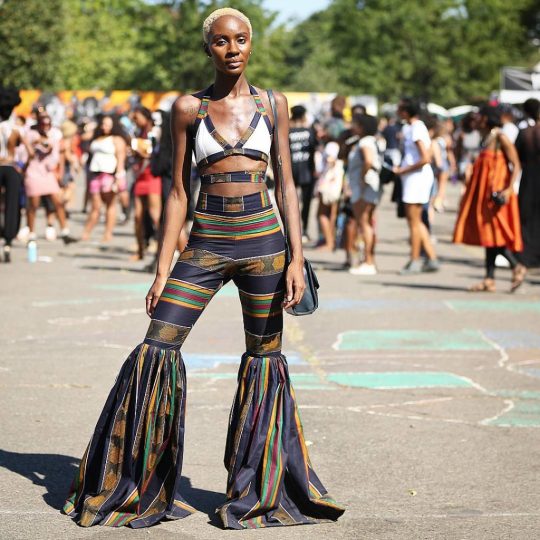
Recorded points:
507,118
363,167
417,180
107,175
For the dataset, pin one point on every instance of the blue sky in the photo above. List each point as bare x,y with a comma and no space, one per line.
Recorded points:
300,9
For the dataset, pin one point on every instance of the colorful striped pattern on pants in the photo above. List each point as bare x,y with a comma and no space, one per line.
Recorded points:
129,474
186,294
235,227
261,305
265,428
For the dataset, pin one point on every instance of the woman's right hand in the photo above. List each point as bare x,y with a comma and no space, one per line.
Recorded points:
154,294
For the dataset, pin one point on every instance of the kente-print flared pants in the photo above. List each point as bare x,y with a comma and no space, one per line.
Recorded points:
130,472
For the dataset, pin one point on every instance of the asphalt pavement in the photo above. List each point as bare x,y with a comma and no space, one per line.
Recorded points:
420,401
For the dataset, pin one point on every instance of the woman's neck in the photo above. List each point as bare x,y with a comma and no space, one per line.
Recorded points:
229,86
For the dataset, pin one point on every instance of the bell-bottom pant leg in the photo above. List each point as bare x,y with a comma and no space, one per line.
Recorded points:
270,478
130,473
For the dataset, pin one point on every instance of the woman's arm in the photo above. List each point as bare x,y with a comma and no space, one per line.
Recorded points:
14,140
177,202
120,154
24,140
450,153
295,272
62,158
367,159
512,157
425,158
53,154
436,154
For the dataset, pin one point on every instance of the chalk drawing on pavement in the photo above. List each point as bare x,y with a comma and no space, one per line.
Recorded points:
523,410
512,306
410,340
388,380
198,361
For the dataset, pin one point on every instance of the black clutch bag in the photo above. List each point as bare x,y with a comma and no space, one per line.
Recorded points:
310,299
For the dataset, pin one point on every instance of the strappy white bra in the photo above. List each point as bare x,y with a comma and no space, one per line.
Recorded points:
211,147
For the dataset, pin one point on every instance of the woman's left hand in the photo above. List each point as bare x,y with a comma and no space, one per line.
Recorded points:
295,283
507,193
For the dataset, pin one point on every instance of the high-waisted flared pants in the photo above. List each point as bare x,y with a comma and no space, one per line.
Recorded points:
130,472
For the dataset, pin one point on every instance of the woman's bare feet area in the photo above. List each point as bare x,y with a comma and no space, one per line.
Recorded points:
486,285
518,275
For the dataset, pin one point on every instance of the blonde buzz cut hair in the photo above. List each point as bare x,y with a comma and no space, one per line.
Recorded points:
223,12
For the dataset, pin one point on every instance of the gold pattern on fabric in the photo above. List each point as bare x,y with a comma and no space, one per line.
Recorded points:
267,265
164,332
233,204
219,139
261,345
283,516
204,259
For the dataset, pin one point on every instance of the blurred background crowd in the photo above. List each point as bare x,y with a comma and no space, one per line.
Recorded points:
113,163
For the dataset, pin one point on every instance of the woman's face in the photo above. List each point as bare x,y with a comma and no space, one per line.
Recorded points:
402,113
140,120
481,123
44,125
106,125
229,45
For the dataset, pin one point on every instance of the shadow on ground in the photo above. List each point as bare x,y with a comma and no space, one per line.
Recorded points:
52,471
424,286
55,472
144,270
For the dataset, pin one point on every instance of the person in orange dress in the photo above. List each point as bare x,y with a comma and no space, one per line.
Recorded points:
489,212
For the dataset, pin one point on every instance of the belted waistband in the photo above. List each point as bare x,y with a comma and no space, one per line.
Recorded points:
249,203
254,177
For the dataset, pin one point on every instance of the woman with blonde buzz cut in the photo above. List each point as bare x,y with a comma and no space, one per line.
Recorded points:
130,473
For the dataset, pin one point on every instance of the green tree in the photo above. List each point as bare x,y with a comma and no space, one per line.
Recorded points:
310,56
32,39
489,35
101,43
442,50
447,51
172,35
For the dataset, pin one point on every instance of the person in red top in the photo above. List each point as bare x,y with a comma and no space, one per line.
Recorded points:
147,188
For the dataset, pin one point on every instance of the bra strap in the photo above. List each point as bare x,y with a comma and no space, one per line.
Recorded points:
261,109
203,109
258,101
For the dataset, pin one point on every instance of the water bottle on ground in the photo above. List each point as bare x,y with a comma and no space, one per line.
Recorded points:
32,251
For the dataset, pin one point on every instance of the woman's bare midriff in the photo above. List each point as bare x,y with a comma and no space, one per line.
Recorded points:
234,189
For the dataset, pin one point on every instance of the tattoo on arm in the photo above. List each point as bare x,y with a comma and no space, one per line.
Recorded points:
190,110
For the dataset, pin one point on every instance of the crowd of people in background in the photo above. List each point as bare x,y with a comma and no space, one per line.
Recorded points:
493,152
343,163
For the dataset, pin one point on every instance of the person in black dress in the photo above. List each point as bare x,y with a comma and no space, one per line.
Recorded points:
528,147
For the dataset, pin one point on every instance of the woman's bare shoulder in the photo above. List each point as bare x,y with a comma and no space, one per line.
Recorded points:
280,96
187,106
